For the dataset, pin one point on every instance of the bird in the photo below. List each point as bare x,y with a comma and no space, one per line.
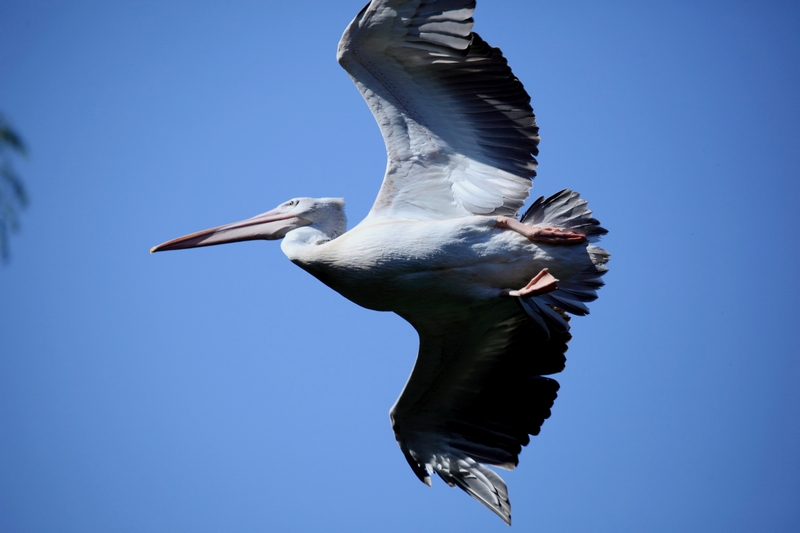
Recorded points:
490,295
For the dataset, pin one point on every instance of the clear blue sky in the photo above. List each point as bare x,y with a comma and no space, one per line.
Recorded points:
224,389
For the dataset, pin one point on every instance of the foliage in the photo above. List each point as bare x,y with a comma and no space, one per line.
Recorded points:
13,197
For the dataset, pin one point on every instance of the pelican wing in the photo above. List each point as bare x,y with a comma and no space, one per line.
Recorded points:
459,130
477,392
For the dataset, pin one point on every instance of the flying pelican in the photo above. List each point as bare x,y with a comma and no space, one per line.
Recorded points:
441,247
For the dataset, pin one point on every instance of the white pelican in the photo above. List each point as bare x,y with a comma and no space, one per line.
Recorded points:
487,294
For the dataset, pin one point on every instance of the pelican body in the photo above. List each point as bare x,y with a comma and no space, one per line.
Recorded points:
488,294
389,265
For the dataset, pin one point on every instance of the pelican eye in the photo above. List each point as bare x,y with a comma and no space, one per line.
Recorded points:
290,203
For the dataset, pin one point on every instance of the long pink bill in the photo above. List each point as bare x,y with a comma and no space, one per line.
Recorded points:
267,226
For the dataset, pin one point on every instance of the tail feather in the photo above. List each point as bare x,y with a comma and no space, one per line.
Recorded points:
566,210
576,307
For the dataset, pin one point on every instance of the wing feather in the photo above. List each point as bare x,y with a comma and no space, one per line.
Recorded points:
450,110
476,393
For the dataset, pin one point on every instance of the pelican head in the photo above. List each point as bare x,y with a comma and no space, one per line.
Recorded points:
324,214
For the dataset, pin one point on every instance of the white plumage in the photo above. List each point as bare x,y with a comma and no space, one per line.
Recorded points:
438,247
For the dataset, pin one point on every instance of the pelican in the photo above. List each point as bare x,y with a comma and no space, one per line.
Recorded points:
489,295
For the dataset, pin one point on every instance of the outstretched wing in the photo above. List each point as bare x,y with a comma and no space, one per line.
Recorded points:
459,130
477,392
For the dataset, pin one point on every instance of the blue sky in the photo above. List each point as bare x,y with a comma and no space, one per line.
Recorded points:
224,389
